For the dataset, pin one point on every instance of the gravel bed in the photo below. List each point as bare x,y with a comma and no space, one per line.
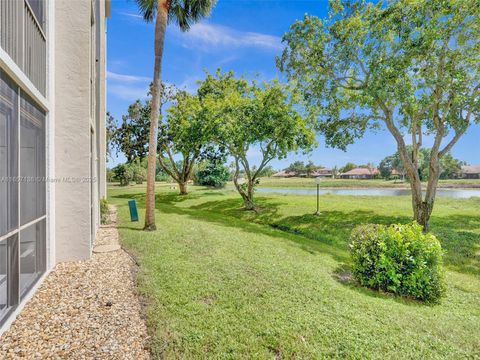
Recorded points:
83,310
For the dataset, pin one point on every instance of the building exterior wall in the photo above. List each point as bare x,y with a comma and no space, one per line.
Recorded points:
72,129
103,12
80,125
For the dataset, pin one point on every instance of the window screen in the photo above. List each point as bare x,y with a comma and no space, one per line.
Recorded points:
32,161
8,155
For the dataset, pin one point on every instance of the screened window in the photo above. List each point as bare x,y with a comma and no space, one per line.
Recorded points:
32,255
22,194
22,37
8,155
38,9
3,277
32,161
9,293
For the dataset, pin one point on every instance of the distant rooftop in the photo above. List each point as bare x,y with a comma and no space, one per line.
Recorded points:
471,169
362,171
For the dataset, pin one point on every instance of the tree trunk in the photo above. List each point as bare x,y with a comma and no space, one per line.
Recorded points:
160,28
423,207
248,198
183,188
247,195
248,203
422,210
430,193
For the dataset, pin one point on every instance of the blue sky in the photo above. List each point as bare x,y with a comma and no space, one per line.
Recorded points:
243,36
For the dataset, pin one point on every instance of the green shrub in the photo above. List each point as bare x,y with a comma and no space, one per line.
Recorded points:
139,173
104,212
123,174
128,172
212,173
400,259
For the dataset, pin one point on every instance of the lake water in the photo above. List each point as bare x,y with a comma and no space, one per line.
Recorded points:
452,193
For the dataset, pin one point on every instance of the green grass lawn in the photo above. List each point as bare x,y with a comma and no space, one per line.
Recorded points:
297,182
224,283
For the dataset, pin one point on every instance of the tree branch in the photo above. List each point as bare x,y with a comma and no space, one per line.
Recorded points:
166,168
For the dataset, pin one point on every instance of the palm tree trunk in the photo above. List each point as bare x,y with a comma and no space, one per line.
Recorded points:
160,29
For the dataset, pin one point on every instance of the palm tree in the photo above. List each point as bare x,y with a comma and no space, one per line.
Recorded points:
184,13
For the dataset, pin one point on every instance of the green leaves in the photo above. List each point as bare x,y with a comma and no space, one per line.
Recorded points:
187,131
397,58
399,259
269,117
248,114
131,136
183,13
409,66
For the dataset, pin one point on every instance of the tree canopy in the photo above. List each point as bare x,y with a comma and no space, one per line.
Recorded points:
347,167
186,132
407,66
131,136
450,167
251,115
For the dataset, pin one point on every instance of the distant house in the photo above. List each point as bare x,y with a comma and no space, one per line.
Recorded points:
360,173
325,172
395,174
284,174
470,172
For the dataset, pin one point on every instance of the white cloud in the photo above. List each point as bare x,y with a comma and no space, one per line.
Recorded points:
132,15
130,93
205,34
128,87
126,78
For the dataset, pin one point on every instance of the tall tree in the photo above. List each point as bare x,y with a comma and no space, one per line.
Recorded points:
389,164
347,167
408,66
131,136
310,168
188,133
183,13
250,116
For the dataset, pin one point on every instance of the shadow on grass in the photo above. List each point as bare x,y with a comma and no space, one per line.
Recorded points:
330,231
230,213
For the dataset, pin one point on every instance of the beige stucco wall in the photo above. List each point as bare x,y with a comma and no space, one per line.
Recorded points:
74,122
101,97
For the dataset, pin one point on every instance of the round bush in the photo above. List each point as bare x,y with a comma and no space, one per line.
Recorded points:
213,174
400,259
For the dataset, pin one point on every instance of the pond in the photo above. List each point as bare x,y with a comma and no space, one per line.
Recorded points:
451,193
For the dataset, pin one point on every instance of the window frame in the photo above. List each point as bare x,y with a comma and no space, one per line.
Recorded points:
12,237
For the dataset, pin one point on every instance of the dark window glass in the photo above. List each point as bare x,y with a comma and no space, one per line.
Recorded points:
32,255
32,161
8,155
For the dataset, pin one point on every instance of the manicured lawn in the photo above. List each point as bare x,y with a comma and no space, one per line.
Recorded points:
296,182
225,283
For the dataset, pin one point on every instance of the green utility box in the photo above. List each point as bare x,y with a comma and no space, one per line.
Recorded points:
132,204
